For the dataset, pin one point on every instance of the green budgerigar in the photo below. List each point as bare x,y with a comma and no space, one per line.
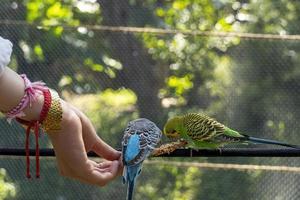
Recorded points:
201,131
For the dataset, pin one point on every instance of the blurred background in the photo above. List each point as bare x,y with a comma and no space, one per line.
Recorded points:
90,52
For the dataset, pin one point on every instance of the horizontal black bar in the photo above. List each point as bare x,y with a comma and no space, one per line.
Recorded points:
224,152
235,152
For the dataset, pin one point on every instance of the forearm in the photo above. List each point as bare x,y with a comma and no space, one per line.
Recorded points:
12,90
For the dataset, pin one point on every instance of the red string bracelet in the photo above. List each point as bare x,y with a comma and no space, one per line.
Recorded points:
35,124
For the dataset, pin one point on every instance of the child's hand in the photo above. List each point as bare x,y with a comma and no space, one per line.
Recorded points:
74,140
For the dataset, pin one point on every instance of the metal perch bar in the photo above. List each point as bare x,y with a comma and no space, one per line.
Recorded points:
223,152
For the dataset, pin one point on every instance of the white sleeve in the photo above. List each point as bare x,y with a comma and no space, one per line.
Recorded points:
5,52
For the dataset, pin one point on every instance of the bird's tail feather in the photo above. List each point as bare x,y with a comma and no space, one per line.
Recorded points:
130,189
267,141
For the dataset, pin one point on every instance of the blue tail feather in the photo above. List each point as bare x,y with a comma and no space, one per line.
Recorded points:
130,189
267,141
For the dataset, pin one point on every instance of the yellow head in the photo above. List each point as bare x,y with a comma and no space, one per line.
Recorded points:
172,127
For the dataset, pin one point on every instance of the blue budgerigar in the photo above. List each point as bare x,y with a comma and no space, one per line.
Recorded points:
140,139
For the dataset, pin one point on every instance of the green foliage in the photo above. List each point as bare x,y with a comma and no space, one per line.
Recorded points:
50,12
182,184
7,189
186,55
180,84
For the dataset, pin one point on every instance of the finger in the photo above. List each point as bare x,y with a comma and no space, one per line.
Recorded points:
105,164
101,174
102,170
110,167
97,175
104,150
121,168
114,167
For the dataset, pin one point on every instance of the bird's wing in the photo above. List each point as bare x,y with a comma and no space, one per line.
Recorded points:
202,128
140,138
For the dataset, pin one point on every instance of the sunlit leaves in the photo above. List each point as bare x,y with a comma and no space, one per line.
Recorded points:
109,66
273,14
278,128
180,84
222,77
51,13
94,66
34,8
186,54
223,25
177,45
160,12
118,98
180,4
7,189
182,185
54,11
186,184
39,52
58,11
65,80
88,6
112,62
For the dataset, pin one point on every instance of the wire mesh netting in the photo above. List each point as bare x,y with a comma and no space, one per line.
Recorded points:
236,61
